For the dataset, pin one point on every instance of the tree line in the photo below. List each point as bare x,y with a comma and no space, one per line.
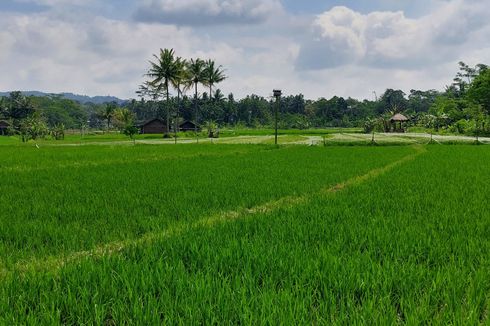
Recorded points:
171,87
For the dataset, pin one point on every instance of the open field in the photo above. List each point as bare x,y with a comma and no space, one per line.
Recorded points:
247,234
258,136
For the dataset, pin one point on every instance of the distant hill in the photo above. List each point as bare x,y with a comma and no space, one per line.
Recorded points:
75,97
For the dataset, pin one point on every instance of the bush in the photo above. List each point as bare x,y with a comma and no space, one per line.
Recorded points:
460,126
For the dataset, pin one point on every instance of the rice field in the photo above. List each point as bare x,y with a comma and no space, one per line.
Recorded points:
324,137
244,234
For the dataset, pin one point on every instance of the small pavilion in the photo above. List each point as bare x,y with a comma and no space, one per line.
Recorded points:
397,121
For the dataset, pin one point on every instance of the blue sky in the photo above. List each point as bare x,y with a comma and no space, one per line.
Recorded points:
123,8
319,48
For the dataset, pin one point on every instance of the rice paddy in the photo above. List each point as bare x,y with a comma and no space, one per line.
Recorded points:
244,234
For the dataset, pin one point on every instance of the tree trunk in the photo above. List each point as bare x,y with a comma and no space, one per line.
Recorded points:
168,110
177,113
195,112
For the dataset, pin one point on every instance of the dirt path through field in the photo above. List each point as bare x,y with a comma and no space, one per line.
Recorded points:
54,263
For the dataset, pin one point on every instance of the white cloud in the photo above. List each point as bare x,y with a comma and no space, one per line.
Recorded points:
389,39
97,56
346,53
206,12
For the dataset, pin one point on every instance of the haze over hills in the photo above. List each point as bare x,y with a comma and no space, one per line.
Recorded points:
75,97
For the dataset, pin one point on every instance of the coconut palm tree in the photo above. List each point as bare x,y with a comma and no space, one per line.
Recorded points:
108,113
162,72
181,82
197,75
214,75
218,96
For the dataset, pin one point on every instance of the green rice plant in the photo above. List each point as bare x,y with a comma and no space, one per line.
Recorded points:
59,200
365,235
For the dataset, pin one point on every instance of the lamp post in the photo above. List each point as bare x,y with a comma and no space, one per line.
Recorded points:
277,95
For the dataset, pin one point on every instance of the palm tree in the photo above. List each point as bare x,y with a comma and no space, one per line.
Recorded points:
218,96
197,75
108,113
124,117
214,75
181,82
162,72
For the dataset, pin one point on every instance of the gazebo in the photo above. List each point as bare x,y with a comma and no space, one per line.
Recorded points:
398,119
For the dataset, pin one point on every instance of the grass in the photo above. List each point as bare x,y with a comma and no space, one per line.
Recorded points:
267,132
74,136
329,136
70,199
245,234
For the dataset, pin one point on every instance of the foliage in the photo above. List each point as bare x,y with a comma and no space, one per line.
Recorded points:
212,129
58,131
123,117
453,108
213,75
107,113
33,127
479,92
130,130
19,107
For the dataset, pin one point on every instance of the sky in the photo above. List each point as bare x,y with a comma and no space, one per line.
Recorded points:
319,48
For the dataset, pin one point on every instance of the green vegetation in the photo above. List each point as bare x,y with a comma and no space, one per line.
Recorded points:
244,234
172,94
93,190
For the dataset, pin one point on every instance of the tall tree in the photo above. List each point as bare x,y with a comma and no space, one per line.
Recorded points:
162,72
148,90
19,107
214,75
181,82
479,91
197,75
393,100
466,75
108,113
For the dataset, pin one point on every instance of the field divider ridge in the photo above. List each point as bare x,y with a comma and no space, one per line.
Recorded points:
54,263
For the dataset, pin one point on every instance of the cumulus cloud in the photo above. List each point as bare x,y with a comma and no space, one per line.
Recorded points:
206,12
342,36
97,56
339,52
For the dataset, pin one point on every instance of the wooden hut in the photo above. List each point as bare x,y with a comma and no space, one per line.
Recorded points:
4,125
154,126
189,126
397,122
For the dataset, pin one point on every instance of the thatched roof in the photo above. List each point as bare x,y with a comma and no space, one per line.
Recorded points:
399,117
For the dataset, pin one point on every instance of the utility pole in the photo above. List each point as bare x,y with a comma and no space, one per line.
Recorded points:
277,95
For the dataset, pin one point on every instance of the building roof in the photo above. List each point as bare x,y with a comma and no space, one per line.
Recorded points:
187,122
144,123
399,117
4,123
